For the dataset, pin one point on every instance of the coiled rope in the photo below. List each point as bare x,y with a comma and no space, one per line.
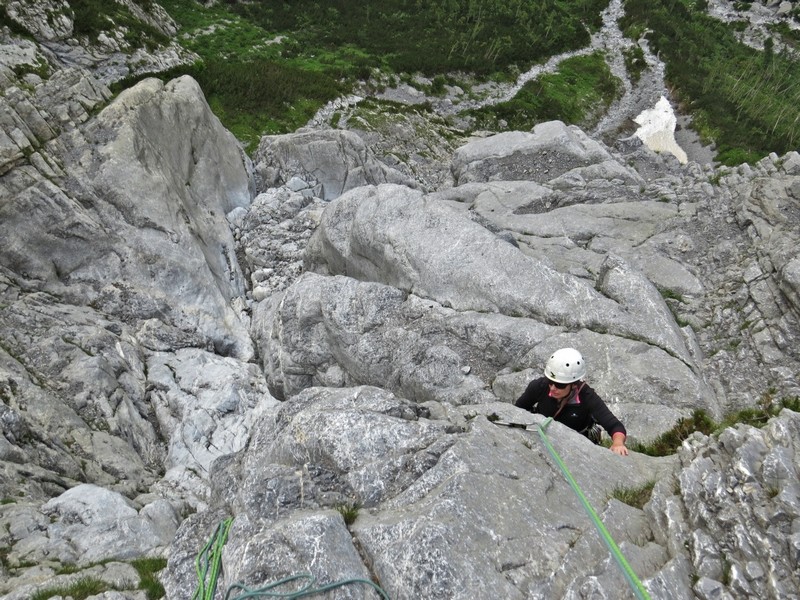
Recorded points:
630,576
208,565
307,590
209,562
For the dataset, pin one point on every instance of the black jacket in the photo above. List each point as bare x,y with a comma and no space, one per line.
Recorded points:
579,416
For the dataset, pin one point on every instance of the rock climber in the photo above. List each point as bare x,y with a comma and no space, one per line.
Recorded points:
563,395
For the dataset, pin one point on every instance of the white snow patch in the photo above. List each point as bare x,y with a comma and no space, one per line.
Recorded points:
657,129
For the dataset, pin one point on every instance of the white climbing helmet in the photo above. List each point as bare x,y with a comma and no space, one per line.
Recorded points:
565,366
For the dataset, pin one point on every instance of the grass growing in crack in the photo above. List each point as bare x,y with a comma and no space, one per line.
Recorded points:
636,496
669,441
147,569
349,512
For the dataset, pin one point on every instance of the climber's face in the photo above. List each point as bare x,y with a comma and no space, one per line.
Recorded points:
559,391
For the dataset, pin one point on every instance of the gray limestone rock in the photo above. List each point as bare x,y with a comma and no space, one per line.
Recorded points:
147,307
337,331
453,519
393,235
331,162
114,212
87,524
112,54
548,152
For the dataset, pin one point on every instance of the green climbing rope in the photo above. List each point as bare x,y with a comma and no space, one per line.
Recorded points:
209,562
308,589
633,581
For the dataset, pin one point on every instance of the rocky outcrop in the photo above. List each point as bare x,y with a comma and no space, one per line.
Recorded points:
129,262
446,510
121,307
547,152
753,547
316,345
465,511
113,207
126,48
322,164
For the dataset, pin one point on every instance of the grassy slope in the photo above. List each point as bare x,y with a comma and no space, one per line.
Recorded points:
267,67
272,65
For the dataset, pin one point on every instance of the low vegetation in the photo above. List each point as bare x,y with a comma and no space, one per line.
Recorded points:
148,581
80,590
407,36
268,67
259,97
578,93
669,442
88,586
636,496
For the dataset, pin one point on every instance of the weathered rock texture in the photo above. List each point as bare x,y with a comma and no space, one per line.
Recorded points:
315,345
111,54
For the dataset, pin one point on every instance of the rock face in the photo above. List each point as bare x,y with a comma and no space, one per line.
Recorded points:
315,346
323,164
111,54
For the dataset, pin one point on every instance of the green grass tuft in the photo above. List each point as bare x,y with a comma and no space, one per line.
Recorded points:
80,590
636,496
349,512
147,569
669,442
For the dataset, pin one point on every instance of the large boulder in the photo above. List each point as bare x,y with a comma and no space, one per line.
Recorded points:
391,234
338,331
323,163
576,238
548,152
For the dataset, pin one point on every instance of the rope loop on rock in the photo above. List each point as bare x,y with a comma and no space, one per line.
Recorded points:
269,591
209,562
208,565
